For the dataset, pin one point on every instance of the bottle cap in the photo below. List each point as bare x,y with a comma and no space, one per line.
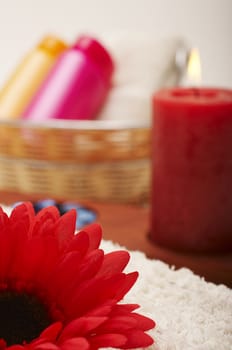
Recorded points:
52,44
97,53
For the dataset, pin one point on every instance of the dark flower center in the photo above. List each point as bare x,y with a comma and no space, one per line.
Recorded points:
22,317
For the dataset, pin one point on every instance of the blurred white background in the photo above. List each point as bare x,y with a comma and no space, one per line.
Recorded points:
206,24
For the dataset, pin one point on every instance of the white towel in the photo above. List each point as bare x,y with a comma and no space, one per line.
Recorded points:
190,313
143,65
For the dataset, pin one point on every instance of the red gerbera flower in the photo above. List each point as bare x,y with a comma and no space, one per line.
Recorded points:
59,290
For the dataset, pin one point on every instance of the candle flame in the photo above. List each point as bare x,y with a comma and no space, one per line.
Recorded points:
194,67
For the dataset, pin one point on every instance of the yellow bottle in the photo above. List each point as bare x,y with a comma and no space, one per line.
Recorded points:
28,76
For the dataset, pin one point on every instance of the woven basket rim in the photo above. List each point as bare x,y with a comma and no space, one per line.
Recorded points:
78,124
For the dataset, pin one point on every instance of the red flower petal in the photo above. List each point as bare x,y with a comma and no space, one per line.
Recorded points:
82,270
118,324
94,232
75,344
108,340
136,339
130,280
2,344
94,292
103,309
123,309
90,265
17,237
46,346
16,347
28,263
5,246
23,215
80,242
80,327
45,220
142,322
50,258
64,272
4,220
66,226
114,262
51,332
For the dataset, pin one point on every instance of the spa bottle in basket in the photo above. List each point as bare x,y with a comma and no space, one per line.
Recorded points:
77,85
28,76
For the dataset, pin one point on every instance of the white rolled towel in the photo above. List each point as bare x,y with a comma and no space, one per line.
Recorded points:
143,65
128,103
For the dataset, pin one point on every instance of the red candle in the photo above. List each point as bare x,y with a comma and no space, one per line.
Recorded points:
191,204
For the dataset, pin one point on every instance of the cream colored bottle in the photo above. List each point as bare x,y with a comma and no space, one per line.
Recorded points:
28,76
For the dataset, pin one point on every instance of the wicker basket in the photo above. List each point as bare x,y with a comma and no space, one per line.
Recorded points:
93,160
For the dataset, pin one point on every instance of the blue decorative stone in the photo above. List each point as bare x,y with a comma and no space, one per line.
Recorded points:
85,216
43,204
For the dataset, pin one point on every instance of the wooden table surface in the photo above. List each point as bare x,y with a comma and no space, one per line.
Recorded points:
129,226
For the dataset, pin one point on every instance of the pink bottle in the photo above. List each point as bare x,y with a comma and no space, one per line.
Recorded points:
77,85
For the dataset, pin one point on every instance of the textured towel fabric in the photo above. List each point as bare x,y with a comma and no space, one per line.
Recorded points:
190,313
